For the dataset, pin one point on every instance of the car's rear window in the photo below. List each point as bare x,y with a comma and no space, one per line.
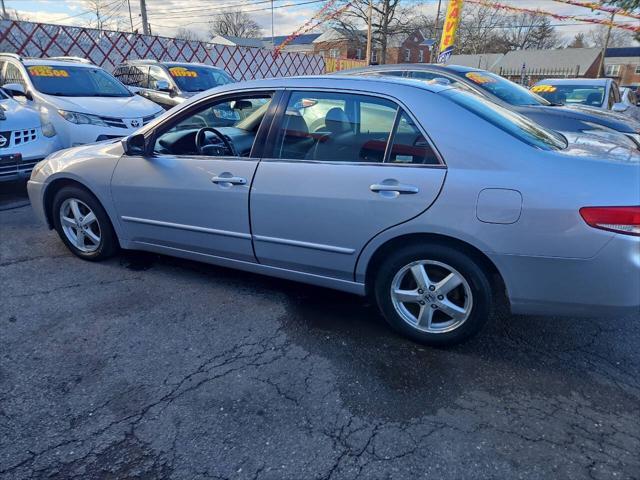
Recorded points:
513,123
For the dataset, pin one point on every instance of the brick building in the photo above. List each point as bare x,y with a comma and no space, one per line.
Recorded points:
623,64
401,48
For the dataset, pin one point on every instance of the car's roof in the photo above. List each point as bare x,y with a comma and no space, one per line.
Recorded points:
56,63
150,61
342,81
404,67
574,81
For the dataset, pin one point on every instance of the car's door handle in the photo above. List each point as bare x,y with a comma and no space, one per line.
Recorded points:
229,180
398,187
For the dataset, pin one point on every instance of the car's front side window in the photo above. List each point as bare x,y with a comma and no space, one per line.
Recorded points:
156,75
345,127
14,75
199,132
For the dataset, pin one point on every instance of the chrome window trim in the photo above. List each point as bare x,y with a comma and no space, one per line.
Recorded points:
391,98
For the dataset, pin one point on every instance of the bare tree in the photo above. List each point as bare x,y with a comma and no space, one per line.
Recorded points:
389,18
530,31
618,38
479,31
186,34
235,24
579,41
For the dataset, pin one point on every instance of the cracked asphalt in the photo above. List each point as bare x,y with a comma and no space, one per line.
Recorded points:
147,367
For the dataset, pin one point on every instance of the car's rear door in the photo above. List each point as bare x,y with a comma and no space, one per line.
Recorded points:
343,168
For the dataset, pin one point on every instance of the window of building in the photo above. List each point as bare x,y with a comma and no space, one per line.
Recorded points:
421,56
612,71
374,56
359,53
334,53
407,55
637,69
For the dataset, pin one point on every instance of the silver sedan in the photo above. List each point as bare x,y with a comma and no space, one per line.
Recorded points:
426,197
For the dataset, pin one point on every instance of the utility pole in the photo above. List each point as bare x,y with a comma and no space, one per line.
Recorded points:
4,10
436,45
369,39
606,45
143,12
130,16
273,38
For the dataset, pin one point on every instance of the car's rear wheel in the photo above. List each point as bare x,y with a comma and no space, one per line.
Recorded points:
433,294
82,224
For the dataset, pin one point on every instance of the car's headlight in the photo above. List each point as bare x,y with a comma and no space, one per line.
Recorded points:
48,130
82,118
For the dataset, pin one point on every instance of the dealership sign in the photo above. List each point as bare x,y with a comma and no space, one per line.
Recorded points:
451,21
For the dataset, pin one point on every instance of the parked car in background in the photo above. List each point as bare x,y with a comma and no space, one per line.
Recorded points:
429,198
169,83
515,97
601,93
26,137
84,103
630,98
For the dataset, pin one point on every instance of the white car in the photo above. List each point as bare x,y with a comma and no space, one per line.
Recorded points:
84,102
26,137
630,99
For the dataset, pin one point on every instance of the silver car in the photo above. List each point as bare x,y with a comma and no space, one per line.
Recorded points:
426,197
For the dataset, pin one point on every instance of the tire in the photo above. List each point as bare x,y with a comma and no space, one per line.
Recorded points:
71,200
445,317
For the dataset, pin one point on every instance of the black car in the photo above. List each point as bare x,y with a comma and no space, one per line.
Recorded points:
513,96
169,83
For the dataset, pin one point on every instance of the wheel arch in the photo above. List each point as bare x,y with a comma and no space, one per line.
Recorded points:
402,241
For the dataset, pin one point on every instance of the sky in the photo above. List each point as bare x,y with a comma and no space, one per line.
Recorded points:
166,16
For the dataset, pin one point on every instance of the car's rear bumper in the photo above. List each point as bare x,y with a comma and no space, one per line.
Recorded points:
607,284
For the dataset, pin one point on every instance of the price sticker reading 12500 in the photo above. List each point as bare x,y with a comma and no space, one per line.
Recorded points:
47,71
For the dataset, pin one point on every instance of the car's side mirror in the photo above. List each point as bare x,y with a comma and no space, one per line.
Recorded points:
163,86
134,145
620,107
15,90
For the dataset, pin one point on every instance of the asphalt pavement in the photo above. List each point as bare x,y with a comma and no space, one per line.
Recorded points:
147,367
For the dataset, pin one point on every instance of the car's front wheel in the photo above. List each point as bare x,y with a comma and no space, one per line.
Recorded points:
433,294
83,224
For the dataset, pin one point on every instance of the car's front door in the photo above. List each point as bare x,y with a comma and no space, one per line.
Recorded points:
344,167
192,192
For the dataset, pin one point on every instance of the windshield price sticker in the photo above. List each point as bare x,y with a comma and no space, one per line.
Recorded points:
543,88
480,78
47,71
182,72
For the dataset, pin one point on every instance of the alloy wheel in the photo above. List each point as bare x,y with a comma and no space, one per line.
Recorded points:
431,296
80,225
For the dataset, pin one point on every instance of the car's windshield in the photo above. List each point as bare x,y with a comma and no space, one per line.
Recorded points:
511,122
506,90
197,78
571,94
70,81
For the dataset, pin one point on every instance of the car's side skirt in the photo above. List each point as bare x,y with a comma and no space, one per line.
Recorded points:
319,280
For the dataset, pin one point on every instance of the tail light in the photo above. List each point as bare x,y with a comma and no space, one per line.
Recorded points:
625,220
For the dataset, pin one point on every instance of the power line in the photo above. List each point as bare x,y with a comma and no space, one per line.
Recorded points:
244,11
